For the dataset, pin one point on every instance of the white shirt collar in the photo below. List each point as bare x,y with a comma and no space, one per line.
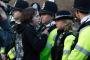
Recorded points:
85,19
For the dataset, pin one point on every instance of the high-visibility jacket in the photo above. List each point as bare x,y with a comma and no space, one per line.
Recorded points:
2,50
69,40
82,48
11,53
57,50
45,54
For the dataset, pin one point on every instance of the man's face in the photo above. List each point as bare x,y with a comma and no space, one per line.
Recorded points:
60,24
17,15
45,18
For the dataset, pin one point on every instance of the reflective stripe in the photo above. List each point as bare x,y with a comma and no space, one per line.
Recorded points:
62,16
54,37
49,45
0,28
66,51
11,53
2,50
82,50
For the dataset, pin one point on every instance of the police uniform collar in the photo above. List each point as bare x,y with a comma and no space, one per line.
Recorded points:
85,19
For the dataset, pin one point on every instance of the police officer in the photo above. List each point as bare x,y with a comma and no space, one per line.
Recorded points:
81,50
64,24
45,54
47,13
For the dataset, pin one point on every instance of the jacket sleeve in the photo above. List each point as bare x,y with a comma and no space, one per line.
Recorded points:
2,40
5,25
33,40
7,34
82,48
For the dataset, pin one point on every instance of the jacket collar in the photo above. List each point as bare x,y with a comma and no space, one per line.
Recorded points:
85,19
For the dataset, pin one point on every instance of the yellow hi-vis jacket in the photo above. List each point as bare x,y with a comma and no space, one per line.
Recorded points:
69,40
82,48
11,53
45,54
2,50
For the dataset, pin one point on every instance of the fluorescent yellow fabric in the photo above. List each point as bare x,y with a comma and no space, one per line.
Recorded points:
83,42
2,50
67,46
45,54
11,53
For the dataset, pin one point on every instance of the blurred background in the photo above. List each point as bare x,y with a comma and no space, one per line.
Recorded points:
62,4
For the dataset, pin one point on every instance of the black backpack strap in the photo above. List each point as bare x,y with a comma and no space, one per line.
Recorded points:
57,51
75,41
84,25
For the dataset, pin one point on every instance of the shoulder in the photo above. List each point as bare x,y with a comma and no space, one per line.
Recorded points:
30,29
70,37
85,30
54,30
84,36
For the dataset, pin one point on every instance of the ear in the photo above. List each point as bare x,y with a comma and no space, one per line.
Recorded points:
77,14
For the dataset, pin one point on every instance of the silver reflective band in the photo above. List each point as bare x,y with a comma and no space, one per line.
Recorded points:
82,50
62,16
48,45
52,0
54,37
66,51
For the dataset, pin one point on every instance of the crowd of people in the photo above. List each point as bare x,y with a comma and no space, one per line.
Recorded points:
34,32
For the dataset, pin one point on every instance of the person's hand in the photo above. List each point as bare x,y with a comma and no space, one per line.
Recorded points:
3,57
46,31
3,14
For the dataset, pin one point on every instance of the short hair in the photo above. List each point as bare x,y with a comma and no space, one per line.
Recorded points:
17,9
84,12
69,25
